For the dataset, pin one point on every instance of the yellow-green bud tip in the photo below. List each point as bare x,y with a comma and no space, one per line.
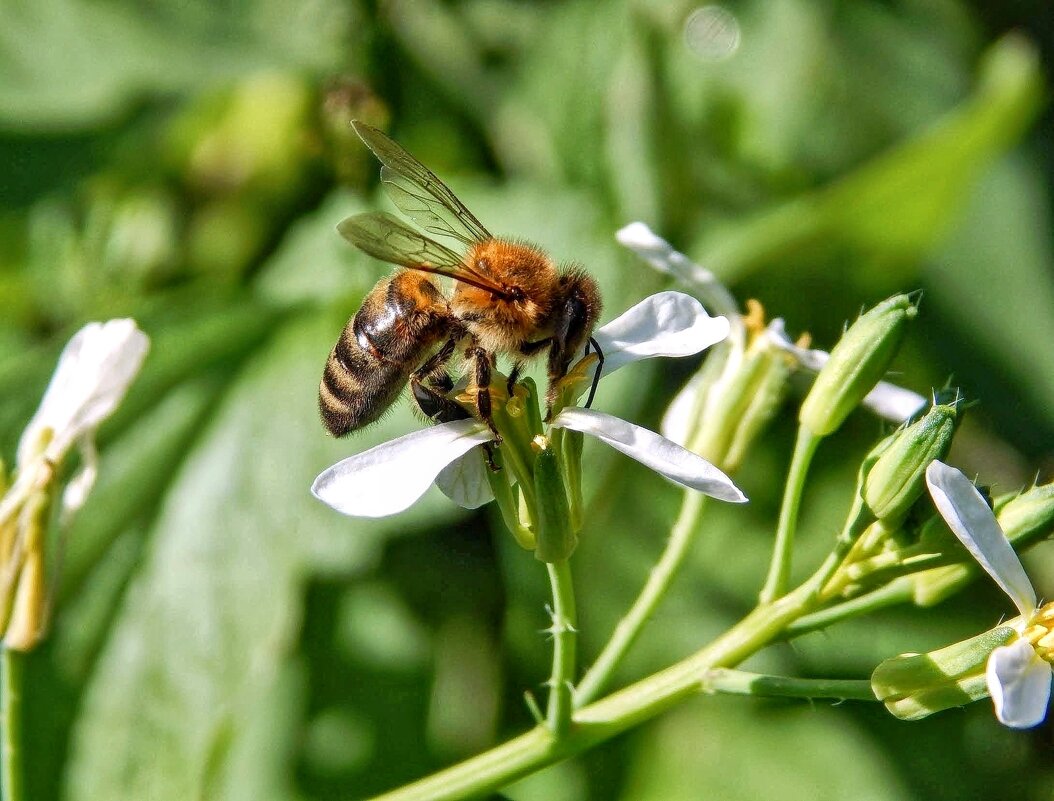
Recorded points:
857,363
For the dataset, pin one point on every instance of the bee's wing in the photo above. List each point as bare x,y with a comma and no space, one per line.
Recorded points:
385,237
419,193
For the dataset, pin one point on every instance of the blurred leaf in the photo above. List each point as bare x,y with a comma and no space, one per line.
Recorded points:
213,613
134,472
994,283
734,749
903,202
555,129
314,264
70,63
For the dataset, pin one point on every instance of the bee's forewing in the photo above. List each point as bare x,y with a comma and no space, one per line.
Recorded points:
384,237
419,193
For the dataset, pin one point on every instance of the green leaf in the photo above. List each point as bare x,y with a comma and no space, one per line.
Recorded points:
73,62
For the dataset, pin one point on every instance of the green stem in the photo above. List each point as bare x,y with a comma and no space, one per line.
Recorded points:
565,637
739,682
11,776
610,716
779,570
682,536
896,592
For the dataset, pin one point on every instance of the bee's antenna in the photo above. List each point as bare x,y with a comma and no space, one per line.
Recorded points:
596,375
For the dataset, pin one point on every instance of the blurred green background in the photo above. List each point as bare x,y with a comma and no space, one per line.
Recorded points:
221,635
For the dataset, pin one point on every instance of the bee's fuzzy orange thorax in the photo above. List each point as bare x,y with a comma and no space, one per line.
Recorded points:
527,277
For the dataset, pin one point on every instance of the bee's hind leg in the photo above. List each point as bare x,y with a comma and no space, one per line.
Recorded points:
433,400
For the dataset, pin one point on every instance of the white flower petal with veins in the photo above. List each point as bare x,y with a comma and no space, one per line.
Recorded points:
972,521
464,481
652,450
1019,683
665,324
94,372
388,478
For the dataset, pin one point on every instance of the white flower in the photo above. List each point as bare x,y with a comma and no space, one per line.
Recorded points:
886,400
666,324
1018,676
93,374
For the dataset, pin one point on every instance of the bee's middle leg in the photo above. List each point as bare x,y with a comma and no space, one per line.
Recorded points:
481,360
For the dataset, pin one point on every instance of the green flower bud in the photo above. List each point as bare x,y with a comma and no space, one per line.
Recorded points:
914,686
555,535
897,477
857,363
1027,516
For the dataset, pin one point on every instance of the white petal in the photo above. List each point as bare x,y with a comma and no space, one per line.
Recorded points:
886,400
892,402
655,250
809,359
80,486
464,481
660,454
388,478
972,521
1019,683
680,417
666,324
94,372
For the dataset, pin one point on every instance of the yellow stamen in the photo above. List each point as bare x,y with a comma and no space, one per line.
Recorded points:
754,319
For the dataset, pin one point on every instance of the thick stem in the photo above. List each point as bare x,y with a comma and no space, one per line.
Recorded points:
11,774
779,570
565,638
682,537
896,592
608,717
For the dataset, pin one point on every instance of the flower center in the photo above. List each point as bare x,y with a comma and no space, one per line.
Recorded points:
1040,632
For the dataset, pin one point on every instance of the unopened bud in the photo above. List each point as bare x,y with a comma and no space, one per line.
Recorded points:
741,404
556,539
857,363
897,477
914,686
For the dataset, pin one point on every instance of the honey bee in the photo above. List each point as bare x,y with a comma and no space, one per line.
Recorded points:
508,298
